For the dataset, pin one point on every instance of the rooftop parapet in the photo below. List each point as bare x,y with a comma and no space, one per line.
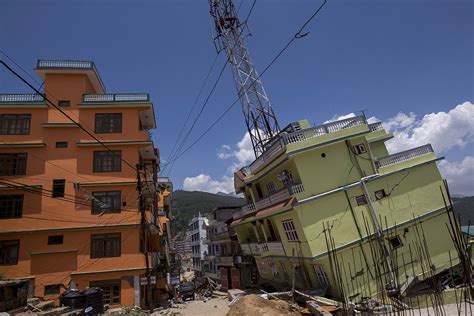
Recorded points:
21,98
116,97
403,156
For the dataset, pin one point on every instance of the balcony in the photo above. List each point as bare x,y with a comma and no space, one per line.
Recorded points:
376,126
280,142
116,97
21,98
274,248
273,199
404,156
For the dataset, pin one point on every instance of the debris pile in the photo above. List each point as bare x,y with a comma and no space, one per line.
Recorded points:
255,305
205,289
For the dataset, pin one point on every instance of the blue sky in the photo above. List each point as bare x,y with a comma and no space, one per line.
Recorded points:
381,56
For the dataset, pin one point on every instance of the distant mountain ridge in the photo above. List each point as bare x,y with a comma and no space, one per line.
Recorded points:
187,204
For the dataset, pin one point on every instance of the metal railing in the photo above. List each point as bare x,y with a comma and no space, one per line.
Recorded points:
116,97
163,180
77,64
302,135
20,98
376,126
404,155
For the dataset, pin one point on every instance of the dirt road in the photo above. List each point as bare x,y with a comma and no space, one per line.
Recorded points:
213,307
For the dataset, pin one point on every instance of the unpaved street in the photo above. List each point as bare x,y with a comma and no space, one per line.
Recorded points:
213,307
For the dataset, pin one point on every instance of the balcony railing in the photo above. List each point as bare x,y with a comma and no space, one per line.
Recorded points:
21,98
376,126
302,135
116,97
275,198
404,155
77,64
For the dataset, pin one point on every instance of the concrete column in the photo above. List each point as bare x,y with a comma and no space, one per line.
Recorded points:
136,290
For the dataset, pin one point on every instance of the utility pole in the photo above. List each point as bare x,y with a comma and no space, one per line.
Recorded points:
144,235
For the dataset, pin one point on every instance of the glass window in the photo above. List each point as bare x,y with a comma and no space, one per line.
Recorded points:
108,123
106,202
9,252
110,290
15,124
107,161
13,164
11,206
105,245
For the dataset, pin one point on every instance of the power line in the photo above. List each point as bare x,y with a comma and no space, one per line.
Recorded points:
64,113
299,34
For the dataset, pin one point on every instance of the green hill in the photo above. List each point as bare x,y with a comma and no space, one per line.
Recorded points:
187,204
465,208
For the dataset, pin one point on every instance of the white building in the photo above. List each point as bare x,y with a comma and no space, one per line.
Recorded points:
197,229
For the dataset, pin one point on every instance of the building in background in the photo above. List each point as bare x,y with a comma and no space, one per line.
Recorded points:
197,230
70,212
317,192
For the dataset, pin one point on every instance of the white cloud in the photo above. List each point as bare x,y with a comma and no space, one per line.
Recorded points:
444,130
460,175
204,182
338,117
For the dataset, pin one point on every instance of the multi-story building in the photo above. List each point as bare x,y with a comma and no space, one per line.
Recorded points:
224,258
197,230
69,205
325,197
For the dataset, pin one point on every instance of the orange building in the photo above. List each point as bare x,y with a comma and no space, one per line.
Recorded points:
70,213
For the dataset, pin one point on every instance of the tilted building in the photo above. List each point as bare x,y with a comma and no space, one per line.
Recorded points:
327,204
70,213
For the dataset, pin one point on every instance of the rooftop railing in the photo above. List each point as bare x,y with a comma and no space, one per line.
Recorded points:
75,64
116,97
404,155
21,98
302,135
163,180
376,126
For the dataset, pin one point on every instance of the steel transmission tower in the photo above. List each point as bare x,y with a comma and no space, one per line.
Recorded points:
261,121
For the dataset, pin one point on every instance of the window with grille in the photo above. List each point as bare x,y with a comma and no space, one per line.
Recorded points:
321,275
290,230
105,245
15,124
361,200
110,290
9,252
106,202
395,242
271,188
107,161
58,188
11,206
108,123
13,164
52,289
380,194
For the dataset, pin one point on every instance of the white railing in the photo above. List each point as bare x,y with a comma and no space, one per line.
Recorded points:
302,135
65,64
264,248
116,97
376,126
31,97
295,189
404,155
163,180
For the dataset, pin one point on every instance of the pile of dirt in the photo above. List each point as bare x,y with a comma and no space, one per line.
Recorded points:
255,305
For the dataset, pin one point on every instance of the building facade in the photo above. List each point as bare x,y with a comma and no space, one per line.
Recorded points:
197,231
70,212
329,197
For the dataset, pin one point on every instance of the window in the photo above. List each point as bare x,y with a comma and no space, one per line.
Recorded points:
107,161
61,144
285,272
359,149
110,290
52,289
55,239
64,103
273,236
11,206
15,124
106,202
290,230
58,188
13,164
105,245
274,269
380,194
321,275
361,200
259,190
395,242
9,252
108,123
271,188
